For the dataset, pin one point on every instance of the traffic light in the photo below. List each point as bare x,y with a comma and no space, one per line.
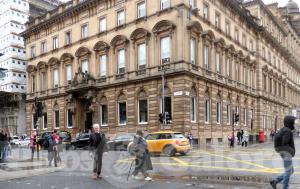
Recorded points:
168,118
236,117
161,118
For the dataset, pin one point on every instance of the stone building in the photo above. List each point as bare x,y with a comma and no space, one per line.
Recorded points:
102,61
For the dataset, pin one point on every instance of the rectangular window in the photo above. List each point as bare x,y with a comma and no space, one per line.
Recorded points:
218,21
193,50
68,38
55,78
227,28
193,109
69,118
68,72
228,111
192,4
84,31
142,56
244,40
32,51
217,61
55,42
206,57
207,111
205,11
236,34
102,24
141,9
121,17
245,116
56,119
102,64
121,61
32,83
104,115
45,121
143,111
85,65
122,113
237,111
43,47
219,112
164,4
165,50
43,81
228,67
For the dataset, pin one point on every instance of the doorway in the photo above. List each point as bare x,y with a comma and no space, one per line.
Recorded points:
88,121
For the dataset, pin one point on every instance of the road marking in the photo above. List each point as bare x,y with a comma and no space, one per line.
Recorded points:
180,161
241,161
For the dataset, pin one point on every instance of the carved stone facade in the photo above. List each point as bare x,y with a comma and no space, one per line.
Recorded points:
105,61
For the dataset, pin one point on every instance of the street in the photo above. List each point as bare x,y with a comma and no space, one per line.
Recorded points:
207,167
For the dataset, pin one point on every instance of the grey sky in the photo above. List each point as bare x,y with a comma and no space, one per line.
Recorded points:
280,2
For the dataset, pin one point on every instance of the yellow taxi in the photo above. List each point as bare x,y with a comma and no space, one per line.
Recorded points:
168,143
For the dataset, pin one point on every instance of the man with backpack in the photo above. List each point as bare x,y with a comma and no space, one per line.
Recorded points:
284,145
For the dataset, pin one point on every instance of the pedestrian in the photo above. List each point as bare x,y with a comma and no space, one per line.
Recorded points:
97,146
231,140
54,151
245,139
239,136
284,145
143,162
32,144
272,134
190,137
5,143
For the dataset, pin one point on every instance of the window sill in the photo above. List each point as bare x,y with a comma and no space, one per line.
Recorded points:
69,127
104,125
140,19
122,124
143,123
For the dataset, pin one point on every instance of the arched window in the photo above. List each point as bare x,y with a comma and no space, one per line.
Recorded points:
54,68
207,109
83,55
122,110
193,106
228,110
142,107
208,38
119,44
56,116
67,60
219,109
102,48
103,112
42,69
195,30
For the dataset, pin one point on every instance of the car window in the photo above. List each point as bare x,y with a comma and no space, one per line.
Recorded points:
178,135
16,137
64,135
151,137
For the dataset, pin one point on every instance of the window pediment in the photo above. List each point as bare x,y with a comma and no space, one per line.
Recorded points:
82,51
220,42
66,57
42,65
195,27
101,46
119,40
140,33
208,35
31,68
53,61
163,26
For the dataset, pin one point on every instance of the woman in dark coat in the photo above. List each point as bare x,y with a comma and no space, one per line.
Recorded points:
142,161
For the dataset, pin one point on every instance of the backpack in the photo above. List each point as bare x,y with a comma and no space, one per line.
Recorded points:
278,139
48,140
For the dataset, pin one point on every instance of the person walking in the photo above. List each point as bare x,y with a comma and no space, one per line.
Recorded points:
142,157
97,146
239,136
5,143
32,144
245,139
190,137
272,134
284,145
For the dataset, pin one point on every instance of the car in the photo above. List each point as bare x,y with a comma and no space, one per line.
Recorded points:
168,143
120,143
24,143
82,141
65,138
15,140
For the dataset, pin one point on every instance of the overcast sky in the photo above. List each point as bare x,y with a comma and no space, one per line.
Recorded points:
281,2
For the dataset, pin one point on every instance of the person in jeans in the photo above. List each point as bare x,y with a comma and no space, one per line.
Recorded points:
284,145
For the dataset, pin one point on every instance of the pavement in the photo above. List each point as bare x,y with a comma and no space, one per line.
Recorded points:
214,166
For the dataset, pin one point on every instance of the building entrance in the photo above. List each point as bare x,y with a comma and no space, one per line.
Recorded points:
88,121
